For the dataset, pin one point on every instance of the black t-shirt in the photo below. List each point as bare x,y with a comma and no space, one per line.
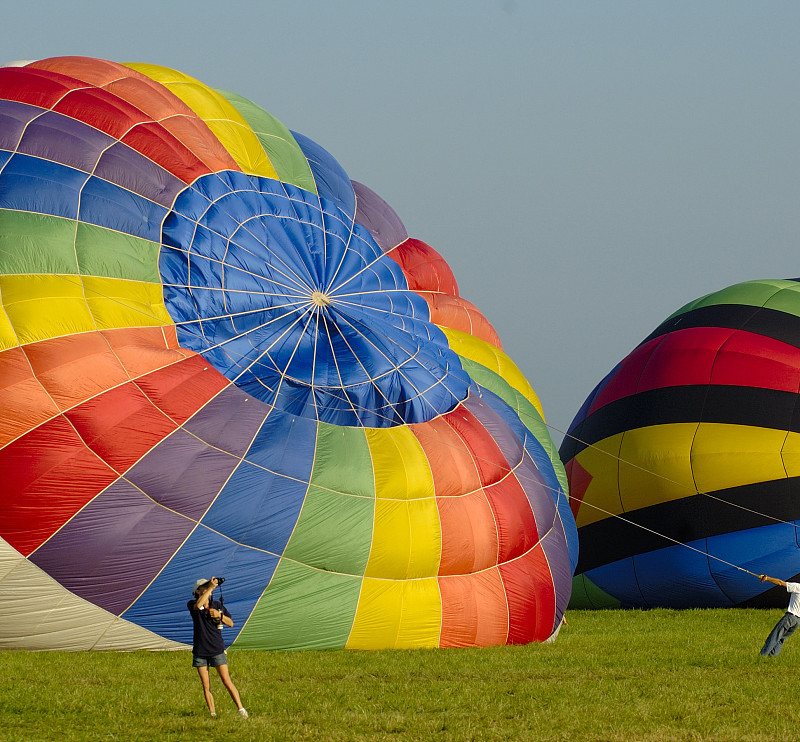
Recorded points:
207,638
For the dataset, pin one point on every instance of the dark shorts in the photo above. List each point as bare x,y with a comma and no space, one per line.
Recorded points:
215,661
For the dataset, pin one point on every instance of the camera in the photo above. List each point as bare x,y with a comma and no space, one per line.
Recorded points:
218,621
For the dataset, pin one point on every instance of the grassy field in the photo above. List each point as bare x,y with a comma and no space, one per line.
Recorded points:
616,675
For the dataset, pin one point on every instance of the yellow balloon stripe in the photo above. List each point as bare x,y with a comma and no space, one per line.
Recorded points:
8,338
406,540
407,537
120,303
670,462
48,306
221,117
487,355
397,615
402,471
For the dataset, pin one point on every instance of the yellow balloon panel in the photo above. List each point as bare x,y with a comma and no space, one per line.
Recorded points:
401,468
662,463
47,306
406,540
790,454
733,455
600,498
119,303
397,615
655,465
8,338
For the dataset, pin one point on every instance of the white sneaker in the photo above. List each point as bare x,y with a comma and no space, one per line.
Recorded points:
243,713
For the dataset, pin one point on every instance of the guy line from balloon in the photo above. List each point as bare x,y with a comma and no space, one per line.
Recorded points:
315,306
678,484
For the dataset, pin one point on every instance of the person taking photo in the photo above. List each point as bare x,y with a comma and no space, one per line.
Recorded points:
209,617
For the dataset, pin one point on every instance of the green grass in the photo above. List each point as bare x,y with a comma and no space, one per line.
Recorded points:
611,675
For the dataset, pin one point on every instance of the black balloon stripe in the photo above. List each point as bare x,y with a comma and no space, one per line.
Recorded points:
688,519
771,323
735,405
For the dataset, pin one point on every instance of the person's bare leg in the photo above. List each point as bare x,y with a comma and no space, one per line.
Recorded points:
205,680
225,677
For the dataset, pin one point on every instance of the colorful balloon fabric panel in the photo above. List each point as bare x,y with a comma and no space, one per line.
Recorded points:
221,356
693,439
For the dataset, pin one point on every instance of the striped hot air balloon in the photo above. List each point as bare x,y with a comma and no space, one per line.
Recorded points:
683,463
220,356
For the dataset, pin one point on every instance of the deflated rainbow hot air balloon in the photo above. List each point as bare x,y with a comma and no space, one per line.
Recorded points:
694,439
220,356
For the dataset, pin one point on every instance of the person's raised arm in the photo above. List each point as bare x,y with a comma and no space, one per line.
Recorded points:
773,580
205,593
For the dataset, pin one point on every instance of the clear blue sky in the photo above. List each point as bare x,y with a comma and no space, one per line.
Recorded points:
585,167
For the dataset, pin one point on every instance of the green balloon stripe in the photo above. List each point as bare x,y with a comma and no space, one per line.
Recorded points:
312,599
278,142
778,294
303,608
334,529
333,532
51,245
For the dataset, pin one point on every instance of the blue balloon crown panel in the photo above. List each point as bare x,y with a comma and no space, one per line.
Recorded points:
298,306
